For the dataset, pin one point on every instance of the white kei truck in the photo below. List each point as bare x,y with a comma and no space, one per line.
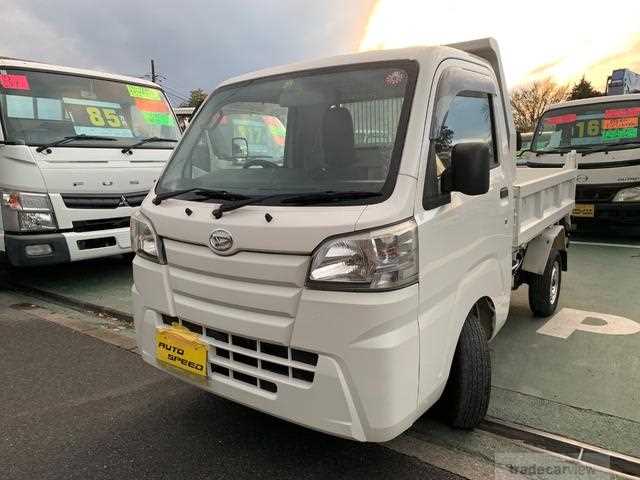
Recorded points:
604,131
357,280
79,151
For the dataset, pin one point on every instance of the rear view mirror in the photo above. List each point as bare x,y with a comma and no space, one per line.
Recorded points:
469,169
239,147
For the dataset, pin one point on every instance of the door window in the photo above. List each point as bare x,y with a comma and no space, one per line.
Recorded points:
469,118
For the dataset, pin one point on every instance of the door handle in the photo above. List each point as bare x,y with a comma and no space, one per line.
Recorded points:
504,192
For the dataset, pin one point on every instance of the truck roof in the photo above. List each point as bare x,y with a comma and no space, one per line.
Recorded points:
8,62
419,53
593,100
184,110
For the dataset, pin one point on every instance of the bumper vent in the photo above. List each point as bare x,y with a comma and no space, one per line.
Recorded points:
113,200
251,361
101,224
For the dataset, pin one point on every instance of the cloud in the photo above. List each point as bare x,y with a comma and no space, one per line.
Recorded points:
195,43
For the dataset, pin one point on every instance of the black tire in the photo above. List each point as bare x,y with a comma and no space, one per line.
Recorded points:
544,290
466,396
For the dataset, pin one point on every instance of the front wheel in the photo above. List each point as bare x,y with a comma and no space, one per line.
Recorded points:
544,290
466,396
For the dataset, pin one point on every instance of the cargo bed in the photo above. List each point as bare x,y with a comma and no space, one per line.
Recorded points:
542,197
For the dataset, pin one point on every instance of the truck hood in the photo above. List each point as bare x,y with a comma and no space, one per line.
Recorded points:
294,230
100,170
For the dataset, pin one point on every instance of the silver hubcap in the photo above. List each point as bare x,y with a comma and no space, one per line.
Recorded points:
555,283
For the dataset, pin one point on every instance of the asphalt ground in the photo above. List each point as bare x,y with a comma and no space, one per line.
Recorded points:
75,407
584,386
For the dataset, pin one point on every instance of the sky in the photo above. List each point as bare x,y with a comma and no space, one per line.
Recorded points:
560,39
199,43
195,43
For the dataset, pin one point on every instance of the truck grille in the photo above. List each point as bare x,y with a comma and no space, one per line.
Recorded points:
112,200
100,224
252,361
596,193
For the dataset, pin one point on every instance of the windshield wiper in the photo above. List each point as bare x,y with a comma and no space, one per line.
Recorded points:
305,198
522,152
72,138
146,140
606,148
203,192
560,150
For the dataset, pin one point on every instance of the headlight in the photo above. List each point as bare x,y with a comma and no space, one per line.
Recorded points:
380,259
144,240
27,212
628,195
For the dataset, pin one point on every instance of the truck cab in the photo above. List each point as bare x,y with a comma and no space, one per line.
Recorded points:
604,131
353,279
79,151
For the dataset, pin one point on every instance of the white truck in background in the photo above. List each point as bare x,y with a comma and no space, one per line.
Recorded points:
79,151
622,81
604,131
350,284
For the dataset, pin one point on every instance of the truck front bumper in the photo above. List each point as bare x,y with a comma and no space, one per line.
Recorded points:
611,213
361,382
65,247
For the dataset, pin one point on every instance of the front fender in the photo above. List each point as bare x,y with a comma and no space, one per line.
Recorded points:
482,280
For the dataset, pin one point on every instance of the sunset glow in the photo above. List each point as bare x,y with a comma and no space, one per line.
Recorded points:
548,38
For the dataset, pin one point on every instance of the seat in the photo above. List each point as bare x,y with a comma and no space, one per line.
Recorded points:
337,138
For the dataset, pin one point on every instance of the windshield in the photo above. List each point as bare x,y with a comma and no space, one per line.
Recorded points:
39,108
334,130
587,126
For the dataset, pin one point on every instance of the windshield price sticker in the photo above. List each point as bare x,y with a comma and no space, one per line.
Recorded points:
561,119
147,93
146,105
157,118
613,123
622,112
14,82
619,133
276,128
93,117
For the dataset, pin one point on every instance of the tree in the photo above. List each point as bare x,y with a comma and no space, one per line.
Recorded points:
583,89
530,101
196,97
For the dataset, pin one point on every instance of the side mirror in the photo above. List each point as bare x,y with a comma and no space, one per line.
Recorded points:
239,147
518,141
469,169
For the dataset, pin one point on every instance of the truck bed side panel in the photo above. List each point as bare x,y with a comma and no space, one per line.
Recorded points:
542,197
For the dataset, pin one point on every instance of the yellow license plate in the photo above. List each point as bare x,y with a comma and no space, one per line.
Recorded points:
180,348
584,210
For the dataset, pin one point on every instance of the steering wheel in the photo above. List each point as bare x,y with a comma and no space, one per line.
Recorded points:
259,163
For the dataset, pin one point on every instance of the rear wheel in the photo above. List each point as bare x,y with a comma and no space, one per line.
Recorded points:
544,290
466,396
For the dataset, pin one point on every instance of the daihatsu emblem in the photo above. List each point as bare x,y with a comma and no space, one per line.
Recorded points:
220,241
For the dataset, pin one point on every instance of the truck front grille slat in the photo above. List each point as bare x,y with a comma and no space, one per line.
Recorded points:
248,360
599,193
112,200
100,224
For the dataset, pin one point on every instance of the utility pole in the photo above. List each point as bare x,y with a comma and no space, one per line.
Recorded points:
153,71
